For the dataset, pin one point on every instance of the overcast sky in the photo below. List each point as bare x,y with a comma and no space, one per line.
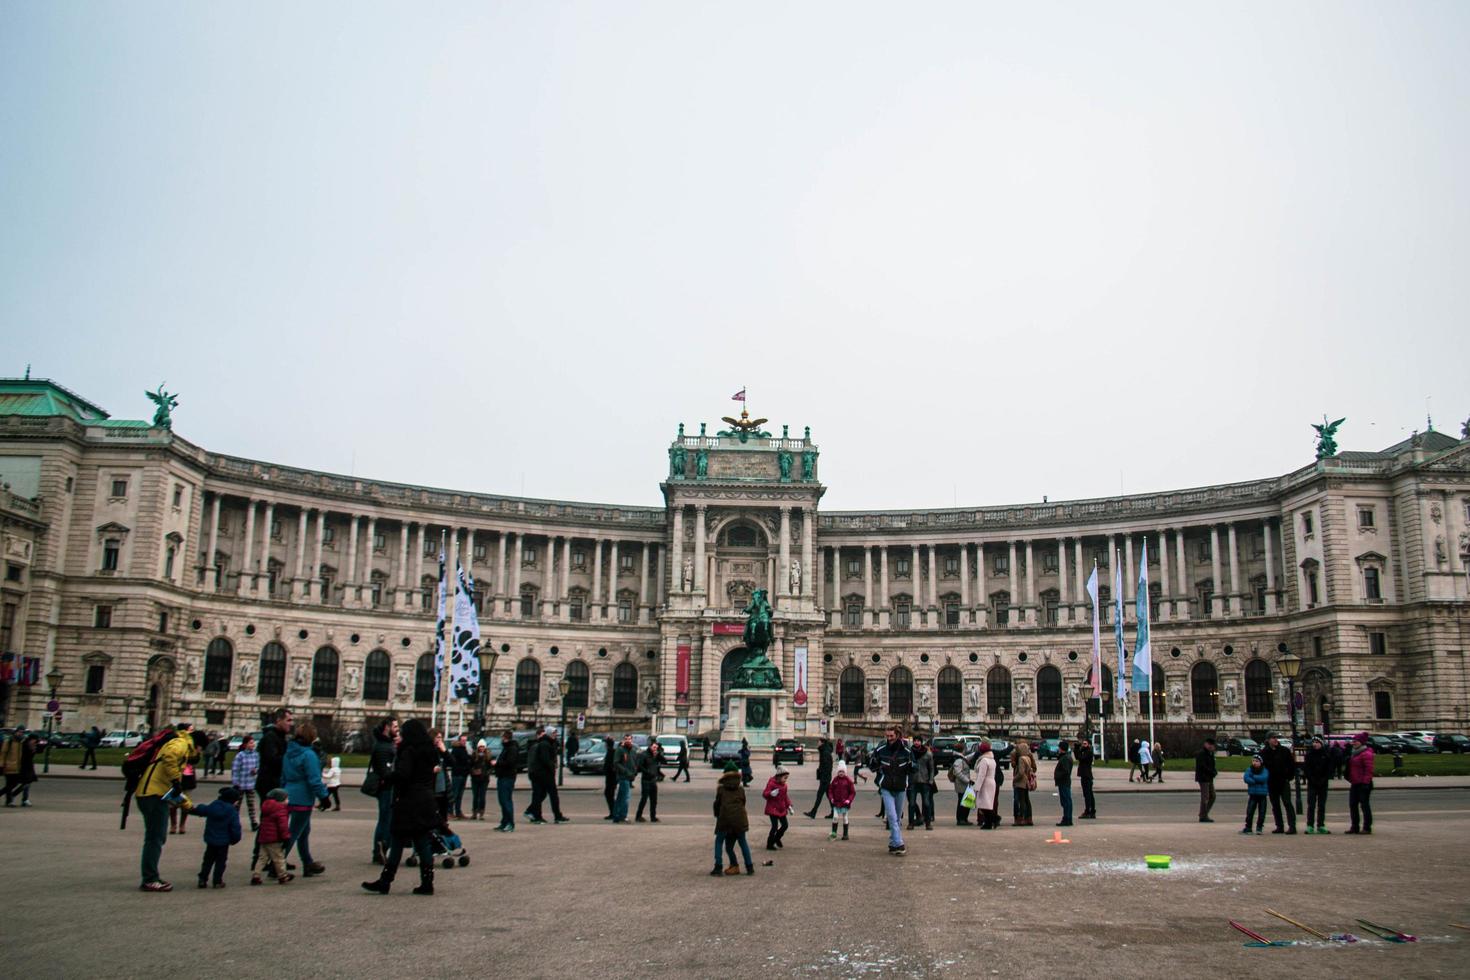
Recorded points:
986,251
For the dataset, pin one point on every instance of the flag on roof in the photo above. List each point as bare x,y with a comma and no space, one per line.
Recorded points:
739,396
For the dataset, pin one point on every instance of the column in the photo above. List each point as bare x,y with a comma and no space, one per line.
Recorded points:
660,578
808,540
211,572
402,555
418,565
699,564
316,562
885,619
1064,613
965,583
502,574
1181,604
369,549
867,584
1165,606
783,564
548,581
933,586
296,587
643,586
246,584
1081,581
564,592
1130,584
982,595
834,610
1015,596
678,549
349,574
1270,568
1214,610
513,583
916,604
1030,586
612,581
1236,592
594,601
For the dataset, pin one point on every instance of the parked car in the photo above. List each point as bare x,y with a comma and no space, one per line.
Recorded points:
725,750
1242,746
1451,743
1002,750
590,756
945,748
121,740
233,745
671,746
523,743
1417,736
1413,746
789,750
63,740
1049,748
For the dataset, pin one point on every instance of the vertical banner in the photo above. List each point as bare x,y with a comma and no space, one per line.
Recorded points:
681,670
800,698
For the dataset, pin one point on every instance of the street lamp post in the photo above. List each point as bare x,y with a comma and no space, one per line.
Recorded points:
487,673
53,679
1291,665
565,687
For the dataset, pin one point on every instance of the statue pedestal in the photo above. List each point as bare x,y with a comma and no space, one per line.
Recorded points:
758,716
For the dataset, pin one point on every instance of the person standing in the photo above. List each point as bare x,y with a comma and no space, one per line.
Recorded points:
90,741
840,795
1133,765
20,766
572,745
459,774
1062,774
506,765
924,782
273,751
1205,771
1280,763
1146,760
332,780
1318,770
415,814
1258,788
541,770
301,778
221,832
610,777
1360,785
650,763
778,806
625,765
1082,750
961,775
380,768
160,776
824,776
242,776
731,821
892,764
1158,755
188,780
1023,771
683,762
746,773
480,766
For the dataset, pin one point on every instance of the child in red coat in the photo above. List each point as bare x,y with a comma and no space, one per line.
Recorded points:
778,805
840,794
275,830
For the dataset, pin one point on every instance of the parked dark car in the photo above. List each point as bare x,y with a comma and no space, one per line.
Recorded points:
1241,746
523,742
945,748
725,750
788,750
1451,743
591,754
1049,748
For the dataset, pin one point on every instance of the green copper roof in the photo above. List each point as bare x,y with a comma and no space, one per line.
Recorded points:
40,398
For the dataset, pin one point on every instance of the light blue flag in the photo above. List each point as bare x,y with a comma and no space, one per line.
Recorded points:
1096,635
1143,661
1122,674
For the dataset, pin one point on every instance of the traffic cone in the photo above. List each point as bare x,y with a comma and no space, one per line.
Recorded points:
1057,838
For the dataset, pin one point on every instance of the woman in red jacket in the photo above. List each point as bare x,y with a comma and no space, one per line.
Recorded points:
778,805
1360,785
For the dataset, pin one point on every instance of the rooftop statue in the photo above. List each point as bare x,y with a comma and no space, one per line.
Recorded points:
166,403
757,672
1326,444
744,427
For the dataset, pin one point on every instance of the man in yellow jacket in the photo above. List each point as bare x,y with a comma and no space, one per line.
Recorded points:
158,779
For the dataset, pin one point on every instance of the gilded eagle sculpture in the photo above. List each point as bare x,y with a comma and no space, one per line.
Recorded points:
744,427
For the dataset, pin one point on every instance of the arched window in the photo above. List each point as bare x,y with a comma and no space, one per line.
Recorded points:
576,675
375,676
1048,691
850,690
998,691
625,687
423,679
219,660
271,682
1108,690
900,692
1204,683
1258,688
951,692
528,683
324,673
1160,694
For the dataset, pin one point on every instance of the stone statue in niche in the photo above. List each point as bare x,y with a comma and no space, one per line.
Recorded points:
924,697
191,671
650,691
247,668
687,579
1232,697
974,692
354,675
553,691
1074,696
298,676
1023,695
875,697
1176,698
1465,542
599,691
502,687
795,576
829,698
1436,514
401,688
1439,551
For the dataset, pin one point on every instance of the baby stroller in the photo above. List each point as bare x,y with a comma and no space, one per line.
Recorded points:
447,844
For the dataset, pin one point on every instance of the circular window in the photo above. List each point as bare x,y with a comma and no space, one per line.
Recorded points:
826,658
302,634
505,648
602,651
1021,657
354,638
923,658
1229,650
974,658
249,629
555,651
876,658
197,624
1072,655
404,641
652,654
1174,652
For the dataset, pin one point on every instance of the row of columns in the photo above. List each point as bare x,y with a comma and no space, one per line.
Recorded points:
692,573
1071,577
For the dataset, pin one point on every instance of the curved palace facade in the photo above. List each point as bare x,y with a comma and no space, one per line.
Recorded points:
159,580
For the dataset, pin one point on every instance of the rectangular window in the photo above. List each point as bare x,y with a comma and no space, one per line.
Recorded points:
1377,644
1205,551
7,626
625,610
854,568
1312,597
1307,525
329,534
625,562
1371,587
579,558
1048,561
1053,607
377,592
854,615
96,678
951,567
163,622
901,568
428,546
528,605
178,497
102,617
528,555
110,551
952,614
380,541
168,562
12,572
1316,646
901,614
1002,610
119,488
1382,705
1002,564
479,552
577,610
214,716
1365,517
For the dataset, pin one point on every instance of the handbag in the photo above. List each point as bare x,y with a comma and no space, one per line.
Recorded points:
968,800
371,784
1031,781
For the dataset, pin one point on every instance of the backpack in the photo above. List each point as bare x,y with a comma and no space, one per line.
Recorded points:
138,760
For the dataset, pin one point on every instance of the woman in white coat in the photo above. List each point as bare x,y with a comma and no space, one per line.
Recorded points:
982,771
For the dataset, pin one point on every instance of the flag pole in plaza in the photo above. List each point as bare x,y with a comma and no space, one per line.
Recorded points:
1097,660
1122,651
1142,649
451,596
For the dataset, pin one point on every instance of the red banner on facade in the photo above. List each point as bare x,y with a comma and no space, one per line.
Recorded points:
681,672
729,629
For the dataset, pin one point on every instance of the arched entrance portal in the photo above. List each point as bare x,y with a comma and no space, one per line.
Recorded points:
154,695
728,666
1316,688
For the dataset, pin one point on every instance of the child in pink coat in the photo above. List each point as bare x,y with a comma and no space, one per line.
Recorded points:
778,805
840,794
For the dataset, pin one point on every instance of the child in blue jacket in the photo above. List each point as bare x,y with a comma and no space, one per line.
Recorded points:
221,830
1256,778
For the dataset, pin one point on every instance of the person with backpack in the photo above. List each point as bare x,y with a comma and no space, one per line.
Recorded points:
20,766
166,755
178,816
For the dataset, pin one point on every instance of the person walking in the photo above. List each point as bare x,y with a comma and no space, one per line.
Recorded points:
924,783
609,777
221,832
90,741
1205,771
1082,751
916,746
459,775
158,779
1258,789
1280,764
377,784
301,778
745,771
650,763
214,754
840,794
541,770
683,761
507,763
892,764
242,776
273,751
1158,755
480,766
19,763
778,806
1023,774
1133,765
625,765
270,840
1062,775
824,776
415,814
572,745
1146,760
1318,769
332,780
1360,785
732,823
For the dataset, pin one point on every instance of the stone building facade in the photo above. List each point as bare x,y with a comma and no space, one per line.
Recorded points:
163,580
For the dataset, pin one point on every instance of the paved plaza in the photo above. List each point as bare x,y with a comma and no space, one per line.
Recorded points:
588,898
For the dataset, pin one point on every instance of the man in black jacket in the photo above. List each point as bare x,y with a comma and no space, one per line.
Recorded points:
380,765
506,765
1317,767
459,774
1063,777
1281,764
650,763
824,777
1083,752
1204,774
892,763
541,769
609,777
